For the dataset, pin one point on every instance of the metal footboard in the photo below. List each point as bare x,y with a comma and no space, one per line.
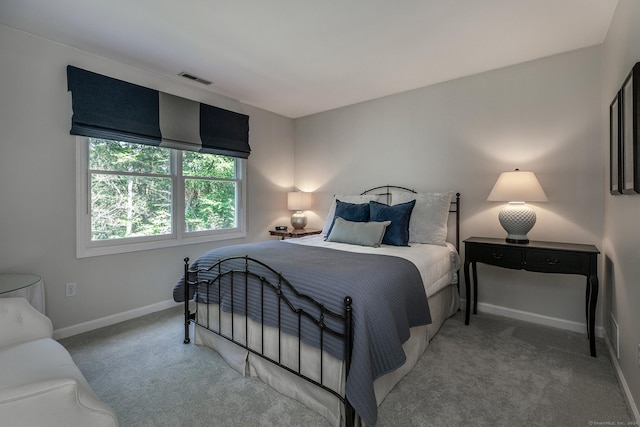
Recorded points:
256,282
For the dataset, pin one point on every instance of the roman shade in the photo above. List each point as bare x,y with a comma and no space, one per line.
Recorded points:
179,123
108,108
224,132
112,109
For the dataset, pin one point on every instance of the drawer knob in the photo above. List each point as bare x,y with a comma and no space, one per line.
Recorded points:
497,256
552,261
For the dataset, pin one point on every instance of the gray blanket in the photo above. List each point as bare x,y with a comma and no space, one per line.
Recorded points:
388,299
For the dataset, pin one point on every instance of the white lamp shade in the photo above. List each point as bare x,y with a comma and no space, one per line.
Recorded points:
298,201
517,186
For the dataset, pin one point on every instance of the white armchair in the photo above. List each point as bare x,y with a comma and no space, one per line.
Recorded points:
40,385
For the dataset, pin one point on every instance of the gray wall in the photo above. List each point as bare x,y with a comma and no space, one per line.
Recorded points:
621,246
38,193
542,116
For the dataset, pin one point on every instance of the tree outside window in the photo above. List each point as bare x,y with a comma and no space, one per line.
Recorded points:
138,192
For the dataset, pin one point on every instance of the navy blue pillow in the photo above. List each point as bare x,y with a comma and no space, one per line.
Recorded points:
397,233
351,212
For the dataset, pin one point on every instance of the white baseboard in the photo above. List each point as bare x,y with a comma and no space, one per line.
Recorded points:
623,382
113,319
539,319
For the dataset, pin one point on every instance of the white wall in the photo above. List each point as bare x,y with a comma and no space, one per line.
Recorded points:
621,246
542,116
549,116
37,183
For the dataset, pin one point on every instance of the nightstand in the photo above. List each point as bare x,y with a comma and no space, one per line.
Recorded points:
542,257
28,286
293,232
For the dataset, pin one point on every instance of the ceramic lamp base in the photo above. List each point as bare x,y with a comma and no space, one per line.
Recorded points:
517,219
298,220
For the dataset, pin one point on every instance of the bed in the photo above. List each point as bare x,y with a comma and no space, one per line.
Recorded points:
333,320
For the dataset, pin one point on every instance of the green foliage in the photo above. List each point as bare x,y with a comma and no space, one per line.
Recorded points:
208,165
119,156
132,188
129,206
203,212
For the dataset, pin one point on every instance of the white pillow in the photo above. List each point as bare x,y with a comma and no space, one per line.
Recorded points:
358,233
429,218
366,198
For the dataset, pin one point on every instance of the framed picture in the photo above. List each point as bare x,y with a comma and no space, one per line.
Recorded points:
629,153
615,175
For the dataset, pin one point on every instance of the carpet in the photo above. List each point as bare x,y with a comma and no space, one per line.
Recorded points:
494,372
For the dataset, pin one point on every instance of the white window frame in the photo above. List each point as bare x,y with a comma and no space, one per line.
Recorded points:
85,247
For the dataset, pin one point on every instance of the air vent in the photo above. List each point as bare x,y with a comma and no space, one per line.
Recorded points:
195,78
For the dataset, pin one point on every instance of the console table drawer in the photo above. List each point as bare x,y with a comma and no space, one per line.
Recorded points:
500,256
554,262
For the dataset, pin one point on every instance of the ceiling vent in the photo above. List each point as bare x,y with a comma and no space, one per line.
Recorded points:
195,78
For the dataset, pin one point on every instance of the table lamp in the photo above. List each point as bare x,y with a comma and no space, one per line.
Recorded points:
517,188
298,201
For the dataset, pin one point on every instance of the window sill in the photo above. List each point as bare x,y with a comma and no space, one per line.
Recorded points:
83,251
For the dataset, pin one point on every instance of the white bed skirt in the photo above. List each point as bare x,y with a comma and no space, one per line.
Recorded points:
442,305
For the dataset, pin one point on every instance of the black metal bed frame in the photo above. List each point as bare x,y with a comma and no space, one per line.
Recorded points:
241,277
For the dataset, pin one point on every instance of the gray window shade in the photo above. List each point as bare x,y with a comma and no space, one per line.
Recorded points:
180,123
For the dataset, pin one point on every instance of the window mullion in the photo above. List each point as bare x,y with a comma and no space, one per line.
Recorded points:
178,204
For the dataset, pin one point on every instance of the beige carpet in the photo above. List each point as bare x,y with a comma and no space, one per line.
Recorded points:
494,372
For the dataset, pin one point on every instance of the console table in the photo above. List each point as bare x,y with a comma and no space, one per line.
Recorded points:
542,257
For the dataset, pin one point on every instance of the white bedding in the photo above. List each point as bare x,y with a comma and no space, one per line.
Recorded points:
434,262
437,266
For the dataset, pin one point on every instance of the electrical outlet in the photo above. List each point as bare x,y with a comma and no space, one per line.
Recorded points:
71,289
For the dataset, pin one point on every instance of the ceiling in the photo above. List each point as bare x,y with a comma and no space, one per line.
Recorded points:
299,57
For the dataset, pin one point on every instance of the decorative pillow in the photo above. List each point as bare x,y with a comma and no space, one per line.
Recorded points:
358,233
429,218
366,198
356,212
397,233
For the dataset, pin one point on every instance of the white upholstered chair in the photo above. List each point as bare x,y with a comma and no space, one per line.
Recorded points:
40,385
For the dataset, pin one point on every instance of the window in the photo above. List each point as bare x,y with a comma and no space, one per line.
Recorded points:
135,197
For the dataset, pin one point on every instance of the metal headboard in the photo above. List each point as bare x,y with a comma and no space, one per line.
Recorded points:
385,190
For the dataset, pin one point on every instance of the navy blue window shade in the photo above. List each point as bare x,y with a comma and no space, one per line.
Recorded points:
104,107
224,132
108,108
